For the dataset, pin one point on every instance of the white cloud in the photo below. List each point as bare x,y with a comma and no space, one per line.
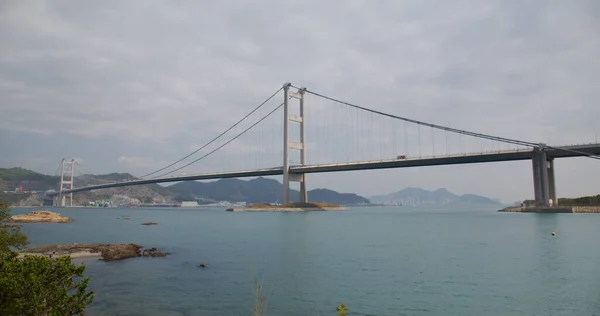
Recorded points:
141,162
148,78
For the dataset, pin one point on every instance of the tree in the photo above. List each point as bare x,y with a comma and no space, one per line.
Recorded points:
11,237
38,285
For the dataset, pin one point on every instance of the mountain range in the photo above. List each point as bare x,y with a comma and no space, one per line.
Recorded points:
232,190
255,191
421,197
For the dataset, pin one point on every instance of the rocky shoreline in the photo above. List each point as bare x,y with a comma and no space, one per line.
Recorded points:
586,209
285,209
106,252
291,207
556,209
39,217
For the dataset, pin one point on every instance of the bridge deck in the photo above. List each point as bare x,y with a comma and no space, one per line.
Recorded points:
498,156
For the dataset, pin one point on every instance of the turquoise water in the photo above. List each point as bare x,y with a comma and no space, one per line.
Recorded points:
378,260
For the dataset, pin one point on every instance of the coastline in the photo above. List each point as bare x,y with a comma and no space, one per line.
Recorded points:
285,209
73,255
106,252
555,209
289,207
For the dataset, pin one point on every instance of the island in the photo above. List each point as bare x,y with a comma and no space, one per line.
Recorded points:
106,252
39,217
291,207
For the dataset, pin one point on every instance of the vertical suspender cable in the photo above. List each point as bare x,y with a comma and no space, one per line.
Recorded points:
406,139
419,134
433,142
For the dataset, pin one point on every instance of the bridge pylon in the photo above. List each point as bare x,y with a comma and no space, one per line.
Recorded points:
67,173
544,186
297,145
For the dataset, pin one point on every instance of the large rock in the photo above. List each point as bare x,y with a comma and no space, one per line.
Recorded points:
106,252
120,251
39,217
153,252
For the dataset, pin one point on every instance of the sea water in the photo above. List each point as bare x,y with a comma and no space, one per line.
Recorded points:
377,260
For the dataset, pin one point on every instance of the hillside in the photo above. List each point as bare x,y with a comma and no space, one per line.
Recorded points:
30,180
329,196
231,190
259,190
418,197
33,181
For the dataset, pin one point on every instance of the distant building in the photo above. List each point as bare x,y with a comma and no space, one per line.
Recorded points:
189,204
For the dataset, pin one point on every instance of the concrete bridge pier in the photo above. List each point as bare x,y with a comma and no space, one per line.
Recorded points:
551,183
543,178
59,200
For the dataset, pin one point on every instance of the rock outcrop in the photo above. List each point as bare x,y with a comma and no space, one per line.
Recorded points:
554,209
586,209
39,217
106,252
120,251
292,207
153,252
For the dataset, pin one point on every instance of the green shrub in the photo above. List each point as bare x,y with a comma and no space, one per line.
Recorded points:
11,237
342,309
37,285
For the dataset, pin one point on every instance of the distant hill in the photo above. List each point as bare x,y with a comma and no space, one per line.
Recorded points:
87,179
254,191
330,196
231,190
417,196
30,180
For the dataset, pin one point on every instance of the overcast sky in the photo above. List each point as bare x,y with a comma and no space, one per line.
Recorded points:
130,86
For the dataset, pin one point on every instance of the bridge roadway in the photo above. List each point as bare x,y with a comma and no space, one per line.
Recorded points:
496,156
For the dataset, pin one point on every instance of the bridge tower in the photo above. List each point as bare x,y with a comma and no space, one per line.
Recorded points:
543,177
297,145
67,172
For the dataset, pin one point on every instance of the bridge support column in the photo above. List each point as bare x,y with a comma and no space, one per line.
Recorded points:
298,145
543,177
552,183
67,172
537,188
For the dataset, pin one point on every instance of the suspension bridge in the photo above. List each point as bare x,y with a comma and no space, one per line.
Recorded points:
303,132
